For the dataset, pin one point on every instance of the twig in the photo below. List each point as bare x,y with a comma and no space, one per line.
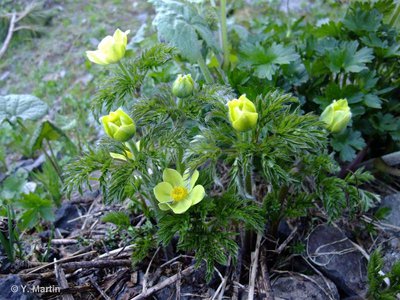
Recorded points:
97,264
225,280
97,287
164,283
146,275
116,252
9,34
174,259
254,267
57,242
178,283
269,294
287,241
60,261
62,281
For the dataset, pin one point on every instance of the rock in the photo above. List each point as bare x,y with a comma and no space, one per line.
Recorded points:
64,214
392,202
166,292
333,253
390,253
13,288
301,288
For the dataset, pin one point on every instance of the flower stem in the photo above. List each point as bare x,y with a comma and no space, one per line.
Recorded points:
122,67
224,36
53,160
204,69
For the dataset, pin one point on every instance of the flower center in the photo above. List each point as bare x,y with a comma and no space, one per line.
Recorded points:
179,193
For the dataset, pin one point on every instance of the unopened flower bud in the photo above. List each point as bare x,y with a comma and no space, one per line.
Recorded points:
336,115
118,125
183,86
242,114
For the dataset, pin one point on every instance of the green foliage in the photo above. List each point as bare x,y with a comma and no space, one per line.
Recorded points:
377,287
34,209
279,169
49,132
25,107
266,61
121,87
353,55
118,218
183,25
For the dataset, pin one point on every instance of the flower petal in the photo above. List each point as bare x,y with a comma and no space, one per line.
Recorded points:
97,57
173,177
197,194
181,206
190,181
117,156
162,191
163,206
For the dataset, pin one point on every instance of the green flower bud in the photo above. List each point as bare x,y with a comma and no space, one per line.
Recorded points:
336,115
118,125
242,114
183,86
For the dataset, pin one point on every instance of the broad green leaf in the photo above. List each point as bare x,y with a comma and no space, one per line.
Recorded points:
35,208
373,101
25,107
347,143
266,61
13,186
48,131
346,57
179,22
361,19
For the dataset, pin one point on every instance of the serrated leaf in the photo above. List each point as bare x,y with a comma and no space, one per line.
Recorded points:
34,208
25,107
266,61
373,101
348,58
362,19
347,143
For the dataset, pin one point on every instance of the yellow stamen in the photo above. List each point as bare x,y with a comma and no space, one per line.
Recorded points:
179,193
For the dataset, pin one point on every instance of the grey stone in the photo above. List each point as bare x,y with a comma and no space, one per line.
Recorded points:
392,202
391,253
302,288
12,288
64,214
333,253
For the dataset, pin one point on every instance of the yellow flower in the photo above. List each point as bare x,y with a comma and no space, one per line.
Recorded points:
178,192
242,114
111,49
118,125
336,115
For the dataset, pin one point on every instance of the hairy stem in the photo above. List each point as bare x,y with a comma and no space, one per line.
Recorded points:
124,70
204,69
224,36
53,160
